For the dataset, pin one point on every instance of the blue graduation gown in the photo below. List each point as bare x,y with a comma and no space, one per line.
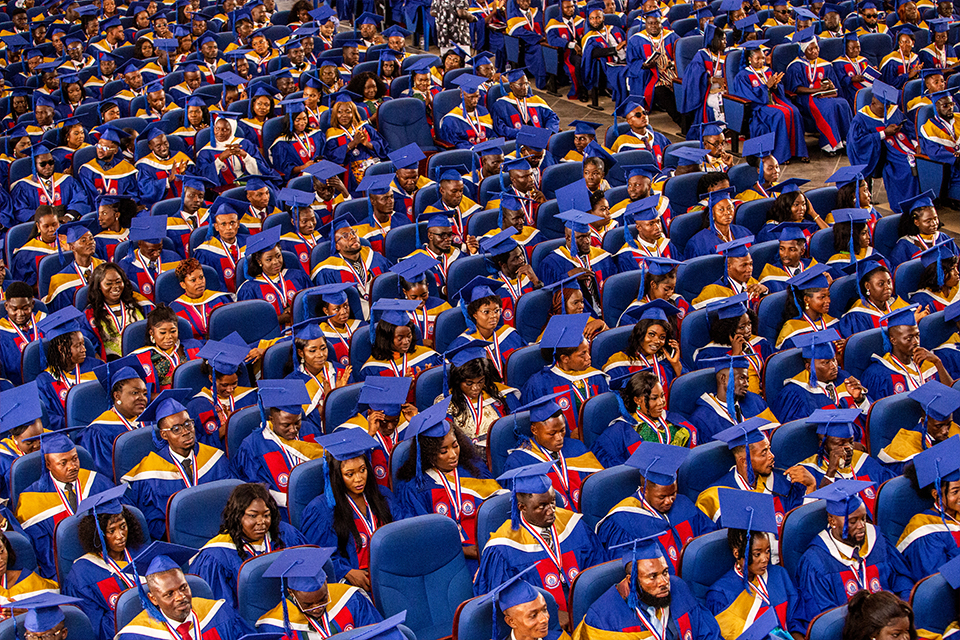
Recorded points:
862,467
907,248
53,392
26,260
117,177
926,544
312,424
202,412
218,561
465,131
213,253
620,439
609,618
633,517
827,579
335,150
640,47
705,242
786,494
93,581
349,608
551,379
509,114
732,605
781,117
865,146
574,465
233,167
98,439
156,478
218,621
40,509
863,316
289,153
316,524
831,116
885,377
710,416
28,194
141,276
692,92
12,344
509,551
798,400
259,288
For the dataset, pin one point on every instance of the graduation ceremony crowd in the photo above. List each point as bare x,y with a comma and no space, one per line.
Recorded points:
306,333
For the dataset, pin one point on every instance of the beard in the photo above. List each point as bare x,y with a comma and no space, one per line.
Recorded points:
653,601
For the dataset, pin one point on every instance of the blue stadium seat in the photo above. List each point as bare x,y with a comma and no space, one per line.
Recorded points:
886,234
403,121
17,236
683,227
425,197
561,143
547,222
859,350
692,385
829,624
843,292
429,385
360,347
85,402
23,549
934,604
76,622
706,464
598,412
907,278
443,103
502,437
887,416
590,584
670,159
934,331
255,320
560,175
770,314
402,241
240,424
607,343
135,335
763,253
800,526
450,324
793,442
482,222
27,469
169,289
617,178
307,481
491,515
821,245
897,502
340,406
614,239
694,335
474,618
753,214
129,607
278,361
822,199
742,177
682,190
603,490
619,291
780,367
30,358
704,560
696,273
463,270
129,449
523,363
68,545
49,267
429,587
193,514
874,46
533,313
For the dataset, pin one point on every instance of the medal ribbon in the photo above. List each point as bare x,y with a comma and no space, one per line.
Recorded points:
189,482
140,263
649,627
115,568
63,496
402,372
913,382
267,547
368,520
553,554
454,494
194,629
559,465
281,290
121,322
659,427
477,413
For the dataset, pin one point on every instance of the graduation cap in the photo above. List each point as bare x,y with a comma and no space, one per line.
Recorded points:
938,400
834,423
648,170
43,610
151,229
19,406
584,127
744,434
690,155
743,23
750,511
564,331
817,345
731,5
394,311
842,499
531,478
167,403
502,242
513,75
157,557
658,463
533,137
936,465
299,569
62,322
408,157
478,288
386,394
576,200
432,422
730,307
760,146
645,548
378,184
645,209
657,309
789,185
469,83
75,230
395,31
517,164
925,199
804,14
386,630
125,368
489,147
936,255
466,352
415,267
368,18
542,408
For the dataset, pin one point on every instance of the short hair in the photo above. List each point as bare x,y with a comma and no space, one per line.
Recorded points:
19,289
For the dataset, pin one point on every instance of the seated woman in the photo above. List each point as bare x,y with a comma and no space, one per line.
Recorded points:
114,216
122,380
790,206
901,65
444,474
268,277
223,372
875,286
478,397
352,142
659,283
882,614
388,66
164,350
482,309
63,286
412,273
807,306
41,243
421,86
758,153
851,236
815,84
110,536
854,194
395,351
72,138
718,227
227,157
509,257
919,230
337,326
351,508
938,282
67,362
372,89
772,111
298,145
321,376
751,524
195,118
643,418
197,302
568,298
19,584
651,345
112,304
733,331
260,109
250,526
304,238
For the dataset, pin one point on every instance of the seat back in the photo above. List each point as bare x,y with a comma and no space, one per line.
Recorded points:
829,624
696,273
193,514
168,286
897,502
685,390
687,47
886,234
76,621
607,343
429,385
403,121
255,320
463,270
68,545
843,291
619,290
704,560
589,585
934,604
129,607
874,46
683,227
800,526
27,469
682,190
783,55
694,334
934,331
742,177
887,416
256,594
560,175
23,548
532,313
706,464
822,198
907,278
278,361
402,241
450,324
779,368
859,350
50,266
134,335
241,424
85,402
129,449
603,490
491,515
770,314
753,213
794,442
598,412
523,363
821,245
429,587
503,437
17,236
474,618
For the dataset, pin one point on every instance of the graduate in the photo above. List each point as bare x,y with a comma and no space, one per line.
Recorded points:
313,606
572,461
641,135
349,261
604,53
938,138
877,127
63,286
43,617
569,371
720,230
821,384
938,402
44,241
732,403
55,496
754,590
110,535
645,218
875,286
455,204
299,145
469,123
525,611
808,304
902,64
919,230
271,451
481,304
852,69
337,325
381,214
737,278
393,342
159,170
351,141
658,283
45,185
759,153
18,328
938,282
197,302
754,470
22,421
64,352
108,172
227,157
519,106
655,503
178,461
556,540
577,255
123,382
144,264
161,565
407,179
507,250
267,276
224,245
704,79
650,58
849,555
584,132
903,364
318,372
732,333
648,591
222,360
439,246
477,397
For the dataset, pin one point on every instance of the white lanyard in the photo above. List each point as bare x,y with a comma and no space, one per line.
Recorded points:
307,145
515,293
655,365
128,424
226,250
760,587
199,315
494,352
649,626
76,377
51,193
455,496
442,258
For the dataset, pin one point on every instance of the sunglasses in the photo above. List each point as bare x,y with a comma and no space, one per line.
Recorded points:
45,163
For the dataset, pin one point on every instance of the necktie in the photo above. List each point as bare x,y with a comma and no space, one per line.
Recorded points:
832,391
736,409
188,469
71,498
234,253
183,631
548,539
153,267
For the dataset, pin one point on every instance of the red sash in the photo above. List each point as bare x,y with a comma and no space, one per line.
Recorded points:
110,589
553,582
672,545
278,468
853,582
468,513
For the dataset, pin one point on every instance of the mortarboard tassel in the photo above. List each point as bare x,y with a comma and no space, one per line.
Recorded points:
328,484
751,476
746,550
471,325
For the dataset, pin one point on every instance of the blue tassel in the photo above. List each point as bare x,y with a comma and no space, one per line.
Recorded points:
622,406
445,382
328,484
263,413
283,601
940,497
853,252
796,301
813,372
746,550
514,511
939,272
633,600
416,452
471,325
643,280
43,357
730,394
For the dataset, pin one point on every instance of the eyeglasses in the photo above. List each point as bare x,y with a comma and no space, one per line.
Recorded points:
442,235
177,429
45,163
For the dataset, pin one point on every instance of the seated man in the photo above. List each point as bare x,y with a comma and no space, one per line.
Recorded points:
18,328
46,186
382,216
44,617
55,495
407,179
169,606
849,555
439,246
526,24
270,453
791,261
715,412
350,261
519,107
646,238
556,540
524,610
656,503
584,132
450,187
314,607
937,139
737,276
224,246
180,463
640,135
507,250
572,461
469,123
939,402
648,595
145,263
524,186
108,172
821,384
905,365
